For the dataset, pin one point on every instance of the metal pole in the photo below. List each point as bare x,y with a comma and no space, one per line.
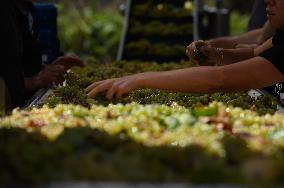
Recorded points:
124,31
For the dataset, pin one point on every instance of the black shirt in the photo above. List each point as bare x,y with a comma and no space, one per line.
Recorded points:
20,54
11,52
31,47
275,56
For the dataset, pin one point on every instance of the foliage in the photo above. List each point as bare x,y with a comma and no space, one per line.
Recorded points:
238,23
87,32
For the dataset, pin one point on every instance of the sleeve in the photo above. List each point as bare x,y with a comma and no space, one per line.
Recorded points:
275,55
10,53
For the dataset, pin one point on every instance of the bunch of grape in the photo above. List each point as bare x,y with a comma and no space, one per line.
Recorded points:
136,142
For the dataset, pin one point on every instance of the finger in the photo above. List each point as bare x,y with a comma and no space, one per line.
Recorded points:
191,53
92,86
200,43
187,53
100,88
123,89
111,92
206,50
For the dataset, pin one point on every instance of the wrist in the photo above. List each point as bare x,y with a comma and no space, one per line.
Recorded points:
142,80
220,55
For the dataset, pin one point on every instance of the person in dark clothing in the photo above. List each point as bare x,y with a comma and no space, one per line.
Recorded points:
238,70
25,73
258,16
11,53
259,30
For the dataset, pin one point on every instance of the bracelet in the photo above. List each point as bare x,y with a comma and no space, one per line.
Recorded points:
220,55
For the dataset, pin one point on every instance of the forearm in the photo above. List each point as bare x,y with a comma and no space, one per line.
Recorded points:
230,56
223,42
191,80
252,37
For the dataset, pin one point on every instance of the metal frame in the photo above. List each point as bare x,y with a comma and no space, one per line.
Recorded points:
38,98
124,31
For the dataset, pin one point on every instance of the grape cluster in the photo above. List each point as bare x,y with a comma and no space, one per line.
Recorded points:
136,142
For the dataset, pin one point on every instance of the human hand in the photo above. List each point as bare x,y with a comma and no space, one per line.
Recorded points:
68,62
116,87
51,74
202,53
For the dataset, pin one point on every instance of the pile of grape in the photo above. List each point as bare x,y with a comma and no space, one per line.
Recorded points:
136,142
79,78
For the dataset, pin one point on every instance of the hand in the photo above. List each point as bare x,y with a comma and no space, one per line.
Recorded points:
51,74
202,53
116,87
68,62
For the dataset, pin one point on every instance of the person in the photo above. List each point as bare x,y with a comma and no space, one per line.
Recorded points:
24,74
239,70
259,30
250,39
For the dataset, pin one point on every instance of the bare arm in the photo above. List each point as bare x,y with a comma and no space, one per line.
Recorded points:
252,37
230,56
249,74
265,46
220,56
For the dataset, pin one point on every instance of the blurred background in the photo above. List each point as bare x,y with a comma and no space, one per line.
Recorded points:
94,27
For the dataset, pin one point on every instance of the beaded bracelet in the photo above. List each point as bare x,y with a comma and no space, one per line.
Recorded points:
220,55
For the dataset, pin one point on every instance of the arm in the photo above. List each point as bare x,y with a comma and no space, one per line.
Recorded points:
226,56
265,46
241,76
53,73
48,75
249,74
220,56
251,37
267,32
230,56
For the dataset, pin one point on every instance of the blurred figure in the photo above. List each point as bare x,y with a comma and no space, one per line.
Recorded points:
259,30
25,72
